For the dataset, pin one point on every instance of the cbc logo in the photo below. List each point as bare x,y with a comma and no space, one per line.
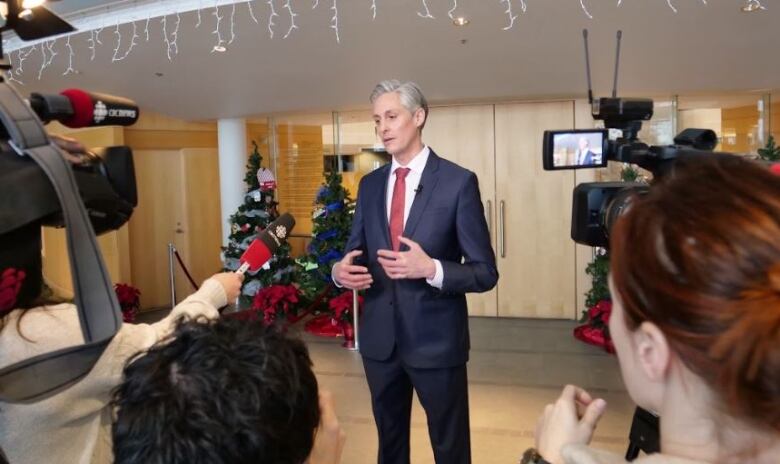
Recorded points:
100,112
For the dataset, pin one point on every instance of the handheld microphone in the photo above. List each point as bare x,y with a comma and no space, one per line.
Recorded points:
76,108
265,245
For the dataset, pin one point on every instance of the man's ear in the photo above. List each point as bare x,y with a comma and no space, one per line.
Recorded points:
419,117
653,351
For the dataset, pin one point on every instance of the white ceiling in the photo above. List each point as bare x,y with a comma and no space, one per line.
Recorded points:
712,48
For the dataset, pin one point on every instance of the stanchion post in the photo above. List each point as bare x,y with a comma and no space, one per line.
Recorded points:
171,277
355,320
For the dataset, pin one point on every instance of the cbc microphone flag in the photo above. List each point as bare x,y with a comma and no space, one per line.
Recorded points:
266,179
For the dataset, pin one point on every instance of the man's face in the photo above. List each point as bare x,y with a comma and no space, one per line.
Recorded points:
396,126
583,143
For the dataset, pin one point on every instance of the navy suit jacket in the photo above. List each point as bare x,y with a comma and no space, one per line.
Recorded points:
429,327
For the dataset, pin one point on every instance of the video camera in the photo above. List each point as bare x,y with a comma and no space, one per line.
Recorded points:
596,205
41,188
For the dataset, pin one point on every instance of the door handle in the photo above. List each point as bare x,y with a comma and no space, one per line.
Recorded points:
489,211
501,227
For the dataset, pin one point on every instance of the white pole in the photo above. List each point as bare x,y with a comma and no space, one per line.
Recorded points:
355,320
231,135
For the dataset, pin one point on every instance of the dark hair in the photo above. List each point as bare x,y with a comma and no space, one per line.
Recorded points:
699,256
221,391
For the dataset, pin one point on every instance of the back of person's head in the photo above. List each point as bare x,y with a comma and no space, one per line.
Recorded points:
223,391
699,257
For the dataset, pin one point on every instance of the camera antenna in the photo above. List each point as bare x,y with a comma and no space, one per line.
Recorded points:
617,63
587,65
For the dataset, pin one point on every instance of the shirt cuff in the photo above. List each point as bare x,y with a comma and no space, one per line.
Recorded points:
335,282
437,280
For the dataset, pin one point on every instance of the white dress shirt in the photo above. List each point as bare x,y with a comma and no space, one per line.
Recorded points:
416,167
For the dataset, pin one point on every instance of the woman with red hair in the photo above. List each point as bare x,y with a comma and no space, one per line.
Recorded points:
695,282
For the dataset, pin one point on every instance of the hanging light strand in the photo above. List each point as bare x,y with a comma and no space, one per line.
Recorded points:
292,18
509,13
71,54
271,18
427,14
334,21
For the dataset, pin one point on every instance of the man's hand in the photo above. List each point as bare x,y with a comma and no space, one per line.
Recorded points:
74,150
571,419
231,282
329,438
411,264
351,276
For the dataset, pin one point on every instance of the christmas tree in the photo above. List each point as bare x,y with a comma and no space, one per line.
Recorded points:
258,210
770,152
332,222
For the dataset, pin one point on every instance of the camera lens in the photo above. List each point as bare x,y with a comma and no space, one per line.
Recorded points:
620,204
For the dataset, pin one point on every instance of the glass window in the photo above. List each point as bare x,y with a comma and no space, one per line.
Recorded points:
302,143
739,120
360,148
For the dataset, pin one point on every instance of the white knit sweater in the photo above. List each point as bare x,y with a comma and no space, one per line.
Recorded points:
74,426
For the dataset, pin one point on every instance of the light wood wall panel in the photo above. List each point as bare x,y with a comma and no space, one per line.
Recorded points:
538,268
464,135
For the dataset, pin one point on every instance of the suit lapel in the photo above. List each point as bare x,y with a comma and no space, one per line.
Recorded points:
430,177
381,205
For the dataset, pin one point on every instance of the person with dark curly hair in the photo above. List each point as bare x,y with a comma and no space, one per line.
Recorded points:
695,283
224,391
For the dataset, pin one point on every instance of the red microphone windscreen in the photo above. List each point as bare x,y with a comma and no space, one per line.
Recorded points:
82,108
256,255
775,168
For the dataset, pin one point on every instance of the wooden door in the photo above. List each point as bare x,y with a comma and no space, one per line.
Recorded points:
536,256
157,220
464,135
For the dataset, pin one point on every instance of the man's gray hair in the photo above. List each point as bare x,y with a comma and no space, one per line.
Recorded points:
411,96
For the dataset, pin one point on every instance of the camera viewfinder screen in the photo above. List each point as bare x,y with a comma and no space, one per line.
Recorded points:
578,149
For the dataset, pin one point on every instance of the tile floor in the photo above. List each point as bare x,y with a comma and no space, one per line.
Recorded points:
517,366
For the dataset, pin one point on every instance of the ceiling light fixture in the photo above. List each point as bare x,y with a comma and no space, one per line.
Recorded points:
752,6
219,48
460,21
29,4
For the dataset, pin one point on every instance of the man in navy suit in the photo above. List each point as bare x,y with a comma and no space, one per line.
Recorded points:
420,236
584,155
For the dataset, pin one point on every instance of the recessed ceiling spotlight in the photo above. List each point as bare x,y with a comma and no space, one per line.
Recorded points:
460,21
751,6
219,48
159,74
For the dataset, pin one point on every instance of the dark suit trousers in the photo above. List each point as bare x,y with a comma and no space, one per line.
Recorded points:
443,394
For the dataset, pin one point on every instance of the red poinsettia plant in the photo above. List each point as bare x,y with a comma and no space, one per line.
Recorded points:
11,280
129,301
596,330
341,307
276,302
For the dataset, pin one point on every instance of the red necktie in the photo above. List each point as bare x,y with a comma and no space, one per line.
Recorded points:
397,207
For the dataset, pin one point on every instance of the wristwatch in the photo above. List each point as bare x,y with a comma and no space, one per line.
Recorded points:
531,456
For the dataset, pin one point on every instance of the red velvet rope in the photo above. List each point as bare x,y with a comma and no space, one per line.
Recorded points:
184,268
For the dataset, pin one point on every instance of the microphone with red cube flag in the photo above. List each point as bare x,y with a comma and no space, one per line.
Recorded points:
267,242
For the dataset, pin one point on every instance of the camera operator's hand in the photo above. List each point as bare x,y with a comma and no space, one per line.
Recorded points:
571,419
329,438
351,276
231,282
74,150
